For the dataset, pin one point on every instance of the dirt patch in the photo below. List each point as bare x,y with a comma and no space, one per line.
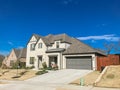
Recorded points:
89,79
9,74
3,82
111,78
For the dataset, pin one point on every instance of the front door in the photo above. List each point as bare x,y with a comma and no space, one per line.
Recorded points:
39,61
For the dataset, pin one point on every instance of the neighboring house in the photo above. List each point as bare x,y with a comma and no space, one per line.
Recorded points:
15,55
63,50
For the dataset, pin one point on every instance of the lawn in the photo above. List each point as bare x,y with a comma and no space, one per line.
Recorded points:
111,78
11,74
89,79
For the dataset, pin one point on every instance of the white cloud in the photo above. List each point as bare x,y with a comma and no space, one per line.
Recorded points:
111,37
10,43
4,52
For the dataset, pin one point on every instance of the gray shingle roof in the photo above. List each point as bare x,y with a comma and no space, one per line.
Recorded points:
80,48
62,37
37,36
23,53
20,53
17,52
76,46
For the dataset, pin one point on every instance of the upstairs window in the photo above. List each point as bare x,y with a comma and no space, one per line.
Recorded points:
40,45
32,47
57,44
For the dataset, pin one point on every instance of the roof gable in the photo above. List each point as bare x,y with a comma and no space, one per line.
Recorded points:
12,54
37,37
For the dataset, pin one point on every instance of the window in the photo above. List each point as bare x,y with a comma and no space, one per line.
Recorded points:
57,44
32,47
32,60
40,45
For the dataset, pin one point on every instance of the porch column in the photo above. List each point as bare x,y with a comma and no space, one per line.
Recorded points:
93,62
58,61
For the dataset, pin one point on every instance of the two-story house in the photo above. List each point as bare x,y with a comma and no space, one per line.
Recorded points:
63,50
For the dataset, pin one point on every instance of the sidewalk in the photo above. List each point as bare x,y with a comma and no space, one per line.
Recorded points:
73,87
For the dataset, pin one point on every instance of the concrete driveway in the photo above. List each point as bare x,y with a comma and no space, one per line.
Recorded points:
59,77
47,81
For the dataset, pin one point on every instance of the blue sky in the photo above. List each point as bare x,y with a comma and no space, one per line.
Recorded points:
95,22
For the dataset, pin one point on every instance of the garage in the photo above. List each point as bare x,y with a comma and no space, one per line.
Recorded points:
79,63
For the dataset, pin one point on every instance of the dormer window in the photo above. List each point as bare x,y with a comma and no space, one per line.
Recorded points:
32,47
57,44
40,45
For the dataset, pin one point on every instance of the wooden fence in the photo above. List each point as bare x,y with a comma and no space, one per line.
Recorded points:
103,61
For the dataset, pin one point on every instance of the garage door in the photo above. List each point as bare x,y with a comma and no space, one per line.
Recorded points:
79,63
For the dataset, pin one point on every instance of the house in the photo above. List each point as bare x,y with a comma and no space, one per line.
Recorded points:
65,51
15,55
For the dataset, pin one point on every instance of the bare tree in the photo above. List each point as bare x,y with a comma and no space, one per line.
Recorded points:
109,47
117,46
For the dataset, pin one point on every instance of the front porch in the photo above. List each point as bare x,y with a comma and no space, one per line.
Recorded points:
55,57
53,60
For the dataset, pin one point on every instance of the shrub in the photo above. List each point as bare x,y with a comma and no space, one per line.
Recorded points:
15,65
44,65
18,64
49,68
41,72
31,67
22,65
